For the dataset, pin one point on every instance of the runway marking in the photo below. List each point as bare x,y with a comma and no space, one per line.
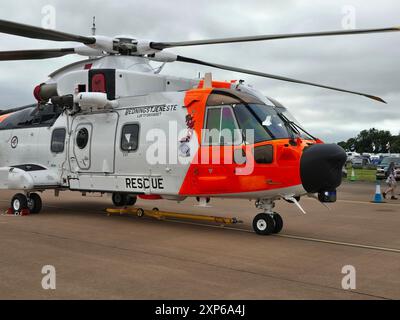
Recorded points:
339,243
372,203
347,244
362,202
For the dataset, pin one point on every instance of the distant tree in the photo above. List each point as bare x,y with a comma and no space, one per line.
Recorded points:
395,144
372,140
343,144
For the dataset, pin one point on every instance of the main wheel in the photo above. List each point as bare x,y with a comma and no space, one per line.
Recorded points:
119,199
207,199
278,223
131,200
140,212
263,224
34,203
19,202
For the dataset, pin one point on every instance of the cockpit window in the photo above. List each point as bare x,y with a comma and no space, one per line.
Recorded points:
221,127
247,121
299,131
270,120
255,122
32,116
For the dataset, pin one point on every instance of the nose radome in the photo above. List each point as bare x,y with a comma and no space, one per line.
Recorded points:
321,167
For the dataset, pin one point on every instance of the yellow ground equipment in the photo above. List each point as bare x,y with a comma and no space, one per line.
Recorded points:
157,214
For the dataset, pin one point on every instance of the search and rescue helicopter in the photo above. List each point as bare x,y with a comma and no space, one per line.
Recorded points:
98,122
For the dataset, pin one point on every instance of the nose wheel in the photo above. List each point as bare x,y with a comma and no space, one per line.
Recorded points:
266,224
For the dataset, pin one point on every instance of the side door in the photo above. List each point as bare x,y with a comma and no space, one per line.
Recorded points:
221,138
92,147
80,146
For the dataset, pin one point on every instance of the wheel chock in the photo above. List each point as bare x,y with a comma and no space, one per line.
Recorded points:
23,212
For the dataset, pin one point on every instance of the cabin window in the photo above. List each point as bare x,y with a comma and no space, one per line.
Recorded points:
58,140
130,137
264,154
221,127
31,116
82,138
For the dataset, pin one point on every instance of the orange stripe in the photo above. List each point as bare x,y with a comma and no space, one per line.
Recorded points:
5,116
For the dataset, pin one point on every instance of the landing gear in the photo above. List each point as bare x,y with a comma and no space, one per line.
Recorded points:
18,203
208,199
268,222
131,200
34,203
31,202
278,223
119,199
263,224
122,200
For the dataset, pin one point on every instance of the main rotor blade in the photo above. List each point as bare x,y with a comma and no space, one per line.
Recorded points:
271,76
28,31
165,45
34,54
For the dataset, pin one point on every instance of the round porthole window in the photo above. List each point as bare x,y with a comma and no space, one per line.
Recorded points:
82,138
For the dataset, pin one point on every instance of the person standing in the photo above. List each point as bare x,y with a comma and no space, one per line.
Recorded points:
391,181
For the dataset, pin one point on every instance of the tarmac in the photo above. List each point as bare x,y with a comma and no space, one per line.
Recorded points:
97,256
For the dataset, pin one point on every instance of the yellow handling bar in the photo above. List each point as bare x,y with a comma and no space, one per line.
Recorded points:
155,213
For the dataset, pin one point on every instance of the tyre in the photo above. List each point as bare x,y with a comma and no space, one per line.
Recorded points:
34,203
119,199
19,202
131,200
278,223
140,213
263,224
207,199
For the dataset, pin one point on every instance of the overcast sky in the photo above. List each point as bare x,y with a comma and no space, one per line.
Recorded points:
366,63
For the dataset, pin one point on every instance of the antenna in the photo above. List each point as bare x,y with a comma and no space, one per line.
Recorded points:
94,26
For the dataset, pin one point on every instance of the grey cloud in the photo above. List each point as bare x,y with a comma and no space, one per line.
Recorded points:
367,63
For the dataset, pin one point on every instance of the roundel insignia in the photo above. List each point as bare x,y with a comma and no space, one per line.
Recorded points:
14,142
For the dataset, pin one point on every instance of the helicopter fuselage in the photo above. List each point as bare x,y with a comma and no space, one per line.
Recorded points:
136,133
141,147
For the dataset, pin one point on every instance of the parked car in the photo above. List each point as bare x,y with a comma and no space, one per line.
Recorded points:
356,162
381,171
360,161
351,155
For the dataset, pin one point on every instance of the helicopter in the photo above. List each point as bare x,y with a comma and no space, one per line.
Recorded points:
113,124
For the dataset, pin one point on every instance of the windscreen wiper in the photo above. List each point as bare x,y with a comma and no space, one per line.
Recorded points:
295,127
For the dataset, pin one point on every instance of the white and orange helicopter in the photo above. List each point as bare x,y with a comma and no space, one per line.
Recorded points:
113,124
